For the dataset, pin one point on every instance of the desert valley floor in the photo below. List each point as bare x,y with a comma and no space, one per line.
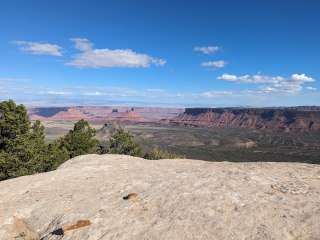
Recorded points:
213,144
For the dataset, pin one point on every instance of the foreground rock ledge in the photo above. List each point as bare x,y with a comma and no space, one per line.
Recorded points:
121,197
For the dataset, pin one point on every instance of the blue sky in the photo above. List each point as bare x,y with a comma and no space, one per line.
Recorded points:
168,53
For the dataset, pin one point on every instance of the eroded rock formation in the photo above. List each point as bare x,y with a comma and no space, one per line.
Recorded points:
121,197
286,119
104,113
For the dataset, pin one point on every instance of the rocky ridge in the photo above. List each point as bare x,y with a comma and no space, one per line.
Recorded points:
104,113
297,119
120,197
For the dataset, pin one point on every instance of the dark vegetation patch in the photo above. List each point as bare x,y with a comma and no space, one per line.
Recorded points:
50,111
231,144
228,144
268,115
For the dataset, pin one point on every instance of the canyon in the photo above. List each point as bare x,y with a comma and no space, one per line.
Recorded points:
104,113
295,119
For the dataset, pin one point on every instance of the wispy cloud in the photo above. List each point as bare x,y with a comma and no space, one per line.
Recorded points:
311,88
215,94
39,48
12,80
228,77
82,44
269,84
58,93
156,90
206,49
214,64
301,78
110,58
96,93
265,91
251,78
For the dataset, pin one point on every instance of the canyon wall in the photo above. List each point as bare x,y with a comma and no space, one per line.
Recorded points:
104,113
287,119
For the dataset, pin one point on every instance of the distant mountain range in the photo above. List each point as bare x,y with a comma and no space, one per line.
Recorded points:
105,113
297,119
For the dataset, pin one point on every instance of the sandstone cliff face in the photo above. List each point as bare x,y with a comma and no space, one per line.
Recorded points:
121,197
287,119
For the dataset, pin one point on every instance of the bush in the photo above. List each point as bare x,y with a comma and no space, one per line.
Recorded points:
122,142
80,140
22,146
156,153
56,155
14,123
10,166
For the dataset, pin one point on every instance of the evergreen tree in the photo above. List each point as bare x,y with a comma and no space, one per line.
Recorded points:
14,123
21,146
80,140
56,155
122,142
23,149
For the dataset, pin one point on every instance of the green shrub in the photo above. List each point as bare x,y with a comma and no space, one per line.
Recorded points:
80,140
14,123
156,153
56,155
122,142
22,146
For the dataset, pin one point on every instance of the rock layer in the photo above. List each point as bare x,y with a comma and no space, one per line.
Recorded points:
104,113
121,197
287,119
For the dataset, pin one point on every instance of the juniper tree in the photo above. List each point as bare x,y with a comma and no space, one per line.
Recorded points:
80,140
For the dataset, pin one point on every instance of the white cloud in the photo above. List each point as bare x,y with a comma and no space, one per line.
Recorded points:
214,64
311,88
38,48
215,94
301,77
284,87
263,95
292,84
207,50
96,93
58,93
110,58
12,80
156,90
228,77
82,44
251,78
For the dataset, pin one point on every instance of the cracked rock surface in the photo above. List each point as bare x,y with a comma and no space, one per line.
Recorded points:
122,197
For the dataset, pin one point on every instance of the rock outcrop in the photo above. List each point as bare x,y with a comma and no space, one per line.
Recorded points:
120,197
104,113
287,119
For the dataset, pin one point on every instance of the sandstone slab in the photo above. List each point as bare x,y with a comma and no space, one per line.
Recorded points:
120,197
